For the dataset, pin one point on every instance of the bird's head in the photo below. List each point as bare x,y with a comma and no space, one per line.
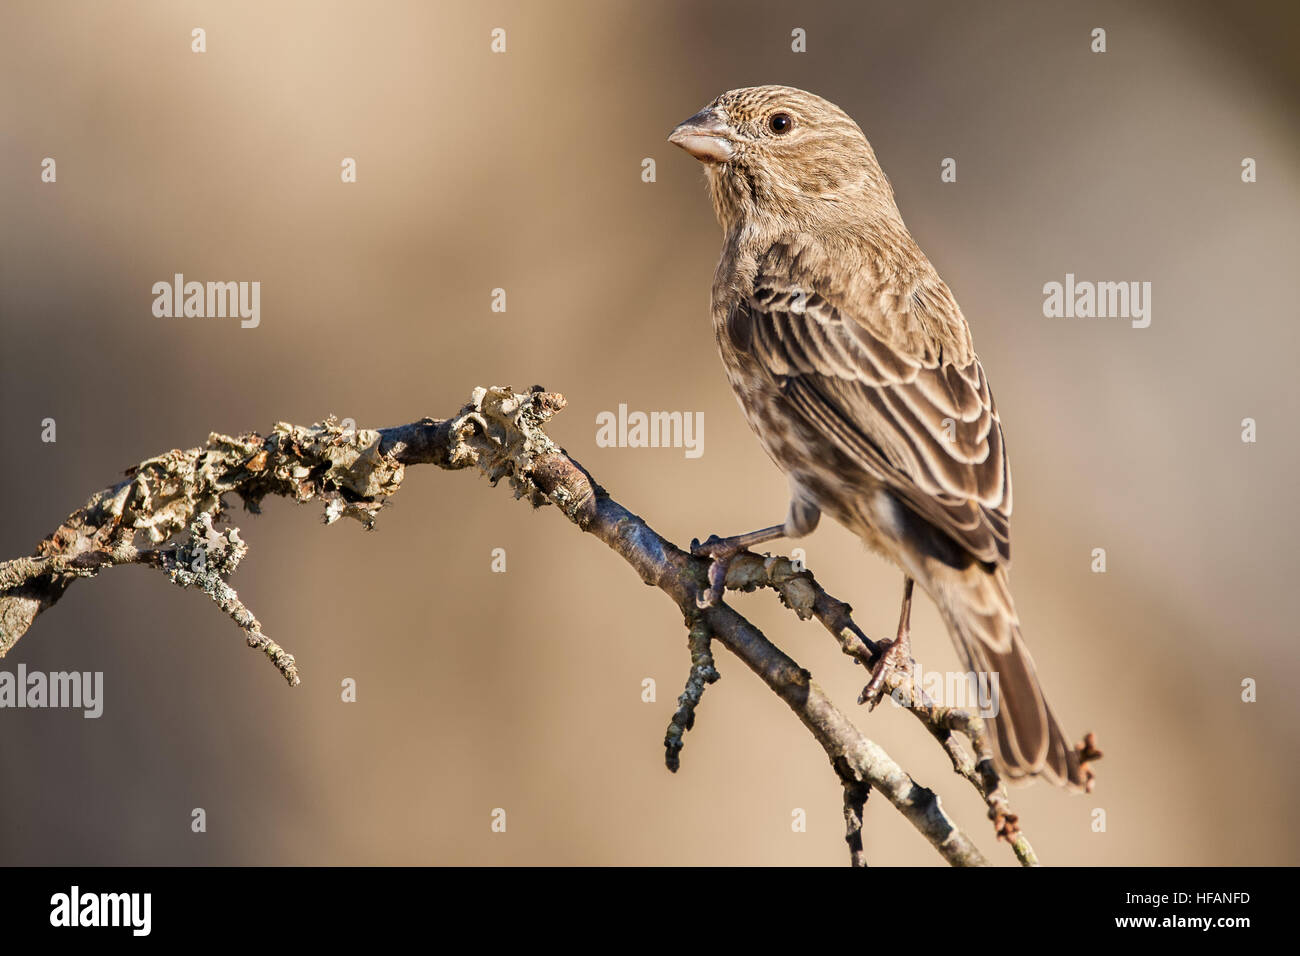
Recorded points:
780,154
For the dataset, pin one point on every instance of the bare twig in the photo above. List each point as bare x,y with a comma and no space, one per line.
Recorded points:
855,803
800,592
945,723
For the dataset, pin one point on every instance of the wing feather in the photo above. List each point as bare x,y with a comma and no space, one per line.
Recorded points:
924,426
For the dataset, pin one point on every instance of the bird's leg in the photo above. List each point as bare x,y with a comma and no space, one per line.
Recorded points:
722,550
801,520
893,654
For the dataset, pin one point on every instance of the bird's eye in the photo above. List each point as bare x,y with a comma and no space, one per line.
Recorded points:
780,123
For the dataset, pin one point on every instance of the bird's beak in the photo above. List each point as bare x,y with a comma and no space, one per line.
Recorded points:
706,136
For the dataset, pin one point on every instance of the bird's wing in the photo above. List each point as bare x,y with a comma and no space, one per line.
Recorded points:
916,420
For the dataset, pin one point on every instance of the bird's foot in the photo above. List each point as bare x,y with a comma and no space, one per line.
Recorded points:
721,551
893,655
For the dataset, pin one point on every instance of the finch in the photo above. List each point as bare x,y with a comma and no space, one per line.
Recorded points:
854,365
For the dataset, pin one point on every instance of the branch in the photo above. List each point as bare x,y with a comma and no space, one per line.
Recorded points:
800,592
175,500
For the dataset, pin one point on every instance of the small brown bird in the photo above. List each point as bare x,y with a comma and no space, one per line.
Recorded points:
854,365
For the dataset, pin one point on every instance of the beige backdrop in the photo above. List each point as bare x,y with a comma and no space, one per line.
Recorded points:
522,171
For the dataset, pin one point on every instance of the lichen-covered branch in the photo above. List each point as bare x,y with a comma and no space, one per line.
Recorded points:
702,674
176,501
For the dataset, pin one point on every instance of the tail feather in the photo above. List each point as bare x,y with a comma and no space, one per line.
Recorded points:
1027,738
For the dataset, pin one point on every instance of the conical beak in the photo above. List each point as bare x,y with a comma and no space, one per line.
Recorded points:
706,136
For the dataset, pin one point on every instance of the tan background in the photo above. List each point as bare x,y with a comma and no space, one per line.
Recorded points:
522,690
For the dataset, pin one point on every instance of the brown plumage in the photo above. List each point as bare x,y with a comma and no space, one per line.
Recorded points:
855,367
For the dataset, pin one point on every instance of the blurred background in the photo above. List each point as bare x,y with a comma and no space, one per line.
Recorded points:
523,690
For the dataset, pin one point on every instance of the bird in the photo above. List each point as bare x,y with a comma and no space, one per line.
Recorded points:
854,365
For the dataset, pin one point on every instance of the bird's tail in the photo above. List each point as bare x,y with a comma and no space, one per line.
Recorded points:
981,617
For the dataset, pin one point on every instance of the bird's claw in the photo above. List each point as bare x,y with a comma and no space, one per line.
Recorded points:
710,548
891,655
721,551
